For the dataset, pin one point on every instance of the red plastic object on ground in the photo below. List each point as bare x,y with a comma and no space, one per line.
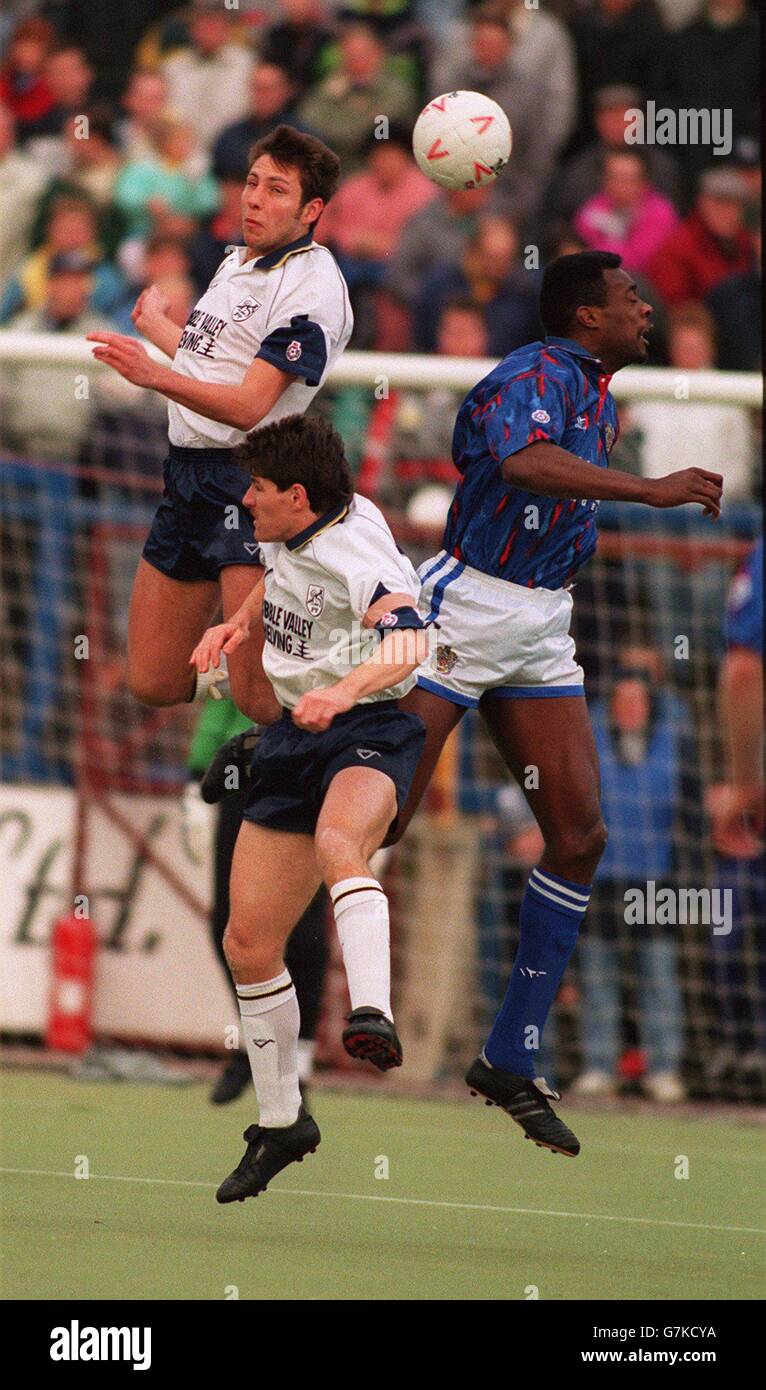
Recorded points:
73,951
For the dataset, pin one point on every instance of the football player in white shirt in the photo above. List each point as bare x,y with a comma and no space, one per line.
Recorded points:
256,346
330,776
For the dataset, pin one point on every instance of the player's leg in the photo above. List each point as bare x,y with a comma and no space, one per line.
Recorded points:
357,810
548,745
273,879
440,717
166,620
250,687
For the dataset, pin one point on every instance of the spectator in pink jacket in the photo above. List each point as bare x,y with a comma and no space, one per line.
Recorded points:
628,215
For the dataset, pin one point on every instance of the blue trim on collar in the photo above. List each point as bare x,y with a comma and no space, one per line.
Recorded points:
280,253
322,523
576,349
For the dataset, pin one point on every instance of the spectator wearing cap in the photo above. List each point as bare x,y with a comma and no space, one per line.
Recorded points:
627,215
617,41
713,63
208,81
710,244
364,221
43,415
272,101
172,189
343,108
144,101
491,276
71,226
581,176
24,88
21,183
298,42
737,306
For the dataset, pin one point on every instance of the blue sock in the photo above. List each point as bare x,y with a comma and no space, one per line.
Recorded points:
551,912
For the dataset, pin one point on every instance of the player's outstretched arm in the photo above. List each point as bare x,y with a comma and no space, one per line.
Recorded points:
554,472
400,653
226,637
150,315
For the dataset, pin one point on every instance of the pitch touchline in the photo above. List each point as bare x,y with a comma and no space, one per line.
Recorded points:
400,1201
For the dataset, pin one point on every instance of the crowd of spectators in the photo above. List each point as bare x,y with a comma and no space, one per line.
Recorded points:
130,149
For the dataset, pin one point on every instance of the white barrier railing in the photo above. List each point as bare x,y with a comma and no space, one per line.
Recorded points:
401,369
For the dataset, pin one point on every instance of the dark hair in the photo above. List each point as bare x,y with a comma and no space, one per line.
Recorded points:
318,167
571,281
300,449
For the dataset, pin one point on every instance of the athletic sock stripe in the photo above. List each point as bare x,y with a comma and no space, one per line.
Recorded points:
571,908
263,994
560,887
368,888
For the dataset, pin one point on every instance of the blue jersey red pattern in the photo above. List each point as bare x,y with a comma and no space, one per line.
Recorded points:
553,391
744,605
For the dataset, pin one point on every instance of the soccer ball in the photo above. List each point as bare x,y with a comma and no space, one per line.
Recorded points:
462,140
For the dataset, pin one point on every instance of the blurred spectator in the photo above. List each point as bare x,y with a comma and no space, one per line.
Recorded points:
491,66
344,107
43,414
145,100
71,226
298,41
617,41
21,181
713,63
580,178
162,258
24,87
207,247
736,304
490,274
87,166
709,245
645,746
692,433
70,78
172,181
208,81
439,232
627,215
398,27
272,100
542,49
364,221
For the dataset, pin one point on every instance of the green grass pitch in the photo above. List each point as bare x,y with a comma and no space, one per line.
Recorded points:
469,1210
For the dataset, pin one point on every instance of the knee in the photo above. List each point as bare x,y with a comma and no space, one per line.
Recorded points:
248,953
335,850
578,850
150,690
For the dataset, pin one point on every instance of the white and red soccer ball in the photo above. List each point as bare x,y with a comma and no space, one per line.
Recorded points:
462,140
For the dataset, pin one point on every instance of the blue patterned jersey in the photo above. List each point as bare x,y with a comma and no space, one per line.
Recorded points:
553,391
744,605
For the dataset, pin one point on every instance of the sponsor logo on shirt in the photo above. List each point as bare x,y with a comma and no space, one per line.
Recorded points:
541,416
581,423
245,309
315,599
294,351
446,659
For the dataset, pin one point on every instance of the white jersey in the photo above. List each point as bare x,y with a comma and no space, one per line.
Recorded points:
290,307
318,587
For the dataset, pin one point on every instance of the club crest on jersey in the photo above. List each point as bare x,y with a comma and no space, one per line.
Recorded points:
387,620
446,659
293,351
315,599
609,433
245,309
541,416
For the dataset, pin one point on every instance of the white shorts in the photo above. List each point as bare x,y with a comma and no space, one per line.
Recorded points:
495,636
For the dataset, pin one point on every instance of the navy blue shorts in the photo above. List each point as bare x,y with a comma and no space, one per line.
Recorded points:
190,538
292,769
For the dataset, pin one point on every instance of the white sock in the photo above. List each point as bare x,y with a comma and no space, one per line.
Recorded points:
270,1022
214,681
361,916
306,1050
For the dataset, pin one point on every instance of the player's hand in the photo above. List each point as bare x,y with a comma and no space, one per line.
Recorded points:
316,710
737,819
152,304
688,485
224,637
128,357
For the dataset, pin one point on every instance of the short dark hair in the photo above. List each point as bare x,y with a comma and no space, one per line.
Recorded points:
318,166
300,449
571,281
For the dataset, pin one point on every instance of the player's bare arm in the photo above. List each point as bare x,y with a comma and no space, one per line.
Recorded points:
150,315
243,406
555,472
